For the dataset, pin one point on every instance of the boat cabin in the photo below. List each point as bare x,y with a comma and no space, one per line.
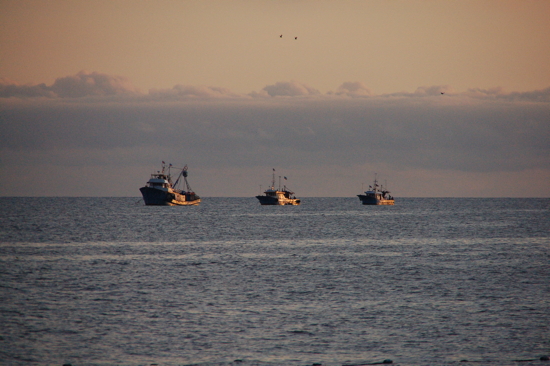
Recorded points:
158,181
279,194
379,195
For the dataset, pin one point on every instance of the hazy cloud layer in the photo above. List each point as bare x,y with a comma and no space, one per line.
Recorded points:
94,84
481,133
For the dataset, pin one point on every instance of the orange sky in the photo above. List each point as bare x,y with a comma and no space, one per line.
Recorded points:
390,46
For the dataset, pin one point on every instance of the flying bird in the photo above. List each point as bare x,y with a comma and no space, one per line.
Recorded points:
281,36
295,37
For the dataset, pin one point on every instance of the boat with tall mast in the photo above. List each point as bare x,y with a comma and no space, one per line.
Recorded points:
160,191
376,195
278,196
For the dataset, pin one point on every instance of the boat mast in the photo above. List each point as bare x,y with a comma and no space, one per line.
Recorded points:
183,174
273,180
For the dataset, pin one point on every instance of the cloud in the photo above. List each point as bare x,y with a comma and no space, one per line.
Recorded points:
82,84
95,84
191,91
499,93
9,88
353,89
433,90
92,84
492,92
290,89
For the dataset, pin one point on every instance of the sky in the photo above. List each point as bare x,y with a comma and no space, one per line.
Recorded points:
436,98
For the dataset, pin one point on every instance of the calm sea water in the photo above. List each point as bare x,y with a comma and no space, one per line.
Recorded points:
425,282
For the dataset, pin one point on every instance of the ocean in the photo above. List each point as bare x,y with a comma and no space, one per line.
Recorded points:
429,281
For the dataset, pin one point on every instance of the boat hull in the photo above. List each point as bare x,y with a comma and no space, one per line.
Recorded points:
366,200
157,197
274,201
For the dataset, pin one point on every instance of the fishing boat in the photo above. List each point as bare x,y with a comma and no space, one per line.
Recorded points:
376,195
160,191
281,197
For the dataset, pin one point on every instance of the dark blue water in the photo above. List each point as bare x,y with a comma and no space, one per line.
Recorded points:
425,282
